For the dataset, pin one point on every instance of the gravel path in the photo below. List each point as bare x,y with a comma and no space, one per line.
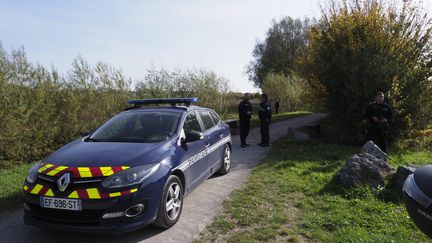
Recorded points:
200,207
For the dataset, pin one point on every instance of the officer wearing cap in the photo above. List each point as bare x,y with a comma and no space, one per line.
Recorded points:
245,113
379,114
265,114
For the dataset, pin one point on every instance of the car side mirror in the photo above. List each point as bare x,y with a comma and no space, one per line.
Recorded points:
193,136
86,133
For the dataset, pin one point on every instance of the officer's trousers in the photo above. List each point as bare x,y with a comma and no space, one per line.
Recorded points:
265,131
379,137
244,129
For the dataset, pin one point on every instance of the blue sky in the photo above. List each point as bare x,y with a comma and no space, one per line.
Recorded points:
136,35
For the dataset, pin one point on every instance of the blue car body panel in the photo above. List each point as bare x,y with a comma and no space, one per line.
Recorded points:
79,153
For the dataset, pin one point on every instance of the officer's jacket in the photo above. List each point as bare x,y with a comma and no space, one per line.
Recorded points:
264,110
380,111
244,107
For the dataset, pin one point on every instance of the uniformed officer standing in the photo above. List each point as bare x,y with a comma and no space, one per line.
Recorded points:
265,114
245,113
378,115
277,105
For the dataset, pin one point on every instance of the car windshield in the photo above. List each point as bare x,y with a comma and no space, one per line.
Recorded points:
138,127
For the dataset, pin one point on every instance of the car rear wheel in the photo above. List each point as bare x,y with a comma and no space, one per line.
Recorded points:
171,204
226,161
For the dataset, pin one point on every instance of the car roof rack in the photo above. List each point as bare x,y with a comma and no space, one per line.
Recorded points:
173,101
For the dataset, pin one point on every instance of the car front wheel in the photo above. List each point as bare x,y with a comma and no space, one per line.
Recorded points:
226,161
171,204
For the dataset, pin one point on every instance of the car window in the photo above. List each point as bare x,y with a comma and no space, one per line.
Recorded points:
144,127
216,118
206,119
191,123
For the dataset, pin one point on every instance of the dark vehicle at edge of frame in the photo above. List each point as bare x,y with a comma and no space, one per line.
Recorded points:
134,170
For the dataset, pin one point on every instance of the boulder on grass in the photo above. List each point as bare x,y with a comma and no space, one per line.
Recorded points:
364,169
371,148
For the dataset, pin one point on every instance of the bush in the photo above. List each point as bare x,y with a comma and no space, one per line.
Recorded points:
211,89
361,47
42,110
290,89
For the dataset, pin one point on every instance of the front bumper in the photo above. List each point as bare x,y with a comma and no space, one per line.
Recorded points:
113,229
90,218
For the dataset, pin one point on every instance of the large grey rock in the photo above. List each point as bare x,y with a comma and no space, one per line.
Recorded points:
371,148
364,169
402,173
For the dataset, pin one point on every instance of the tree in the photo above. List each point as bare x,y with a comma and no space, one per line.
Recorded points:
360,47
289,89
285,42
211,89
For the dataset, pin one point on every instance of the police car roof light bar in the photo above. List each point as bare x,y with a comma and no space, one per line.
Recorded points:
172,101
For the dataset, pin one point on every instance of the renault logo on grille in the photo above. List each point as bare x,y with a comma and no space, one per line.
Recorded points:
63,182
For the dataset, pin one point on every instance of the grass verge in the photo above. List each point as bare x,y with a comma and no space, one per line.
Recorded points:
11,181
291,197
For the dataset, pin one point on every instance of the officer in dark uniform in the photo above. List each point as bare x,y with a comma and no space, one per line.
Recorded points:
265,114
379,114
245,113
277,105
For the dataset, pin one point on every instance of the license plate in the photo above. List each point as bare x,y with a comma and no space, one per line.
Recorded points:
61,203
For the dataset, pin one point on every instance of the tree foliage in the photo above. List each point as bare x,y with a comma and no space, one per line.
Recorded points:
42,110
360,47
285,42
290,90
207,85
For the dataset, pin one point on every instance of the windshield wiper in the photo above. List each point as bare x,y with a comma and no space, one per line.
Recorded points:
89,139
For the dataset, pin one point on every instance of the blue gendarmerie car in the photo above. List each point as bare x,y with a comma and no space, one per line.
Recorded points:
132,171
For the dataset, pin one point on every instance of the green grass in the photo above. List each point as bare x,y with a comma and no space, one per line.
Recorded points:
11,183
292,196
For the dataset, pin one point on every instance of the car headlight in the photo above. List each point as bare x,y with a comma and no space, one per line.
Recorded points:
32,173
130,176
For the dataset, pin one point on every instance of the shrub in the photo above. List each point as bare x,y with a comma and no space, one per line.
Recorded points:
361,47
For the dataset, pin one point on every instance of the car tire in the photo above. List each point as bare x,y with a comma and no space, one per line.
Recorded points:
171,204
225,161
